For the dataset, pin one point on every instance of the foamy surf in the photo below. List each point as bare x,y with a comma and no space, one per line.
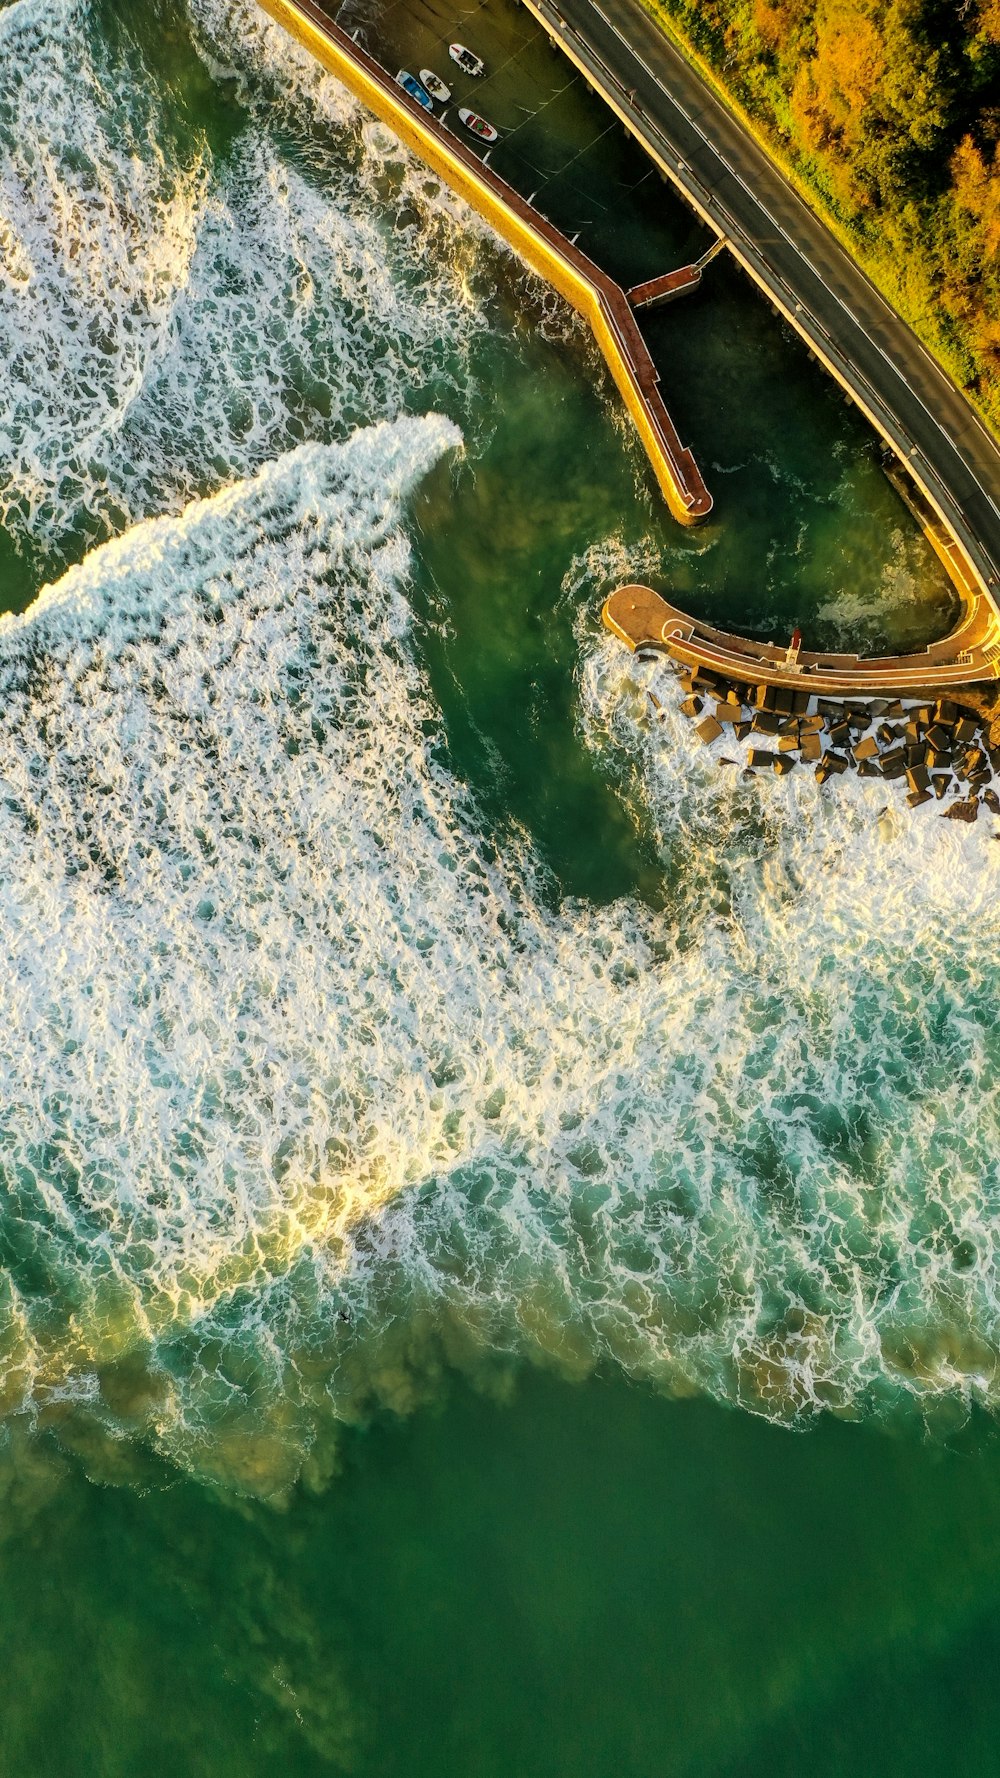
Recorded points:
173,316
304,1090
306,1094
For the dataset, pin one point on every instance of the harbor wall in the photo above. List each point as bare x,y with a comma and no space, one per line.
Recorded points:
642,618
589,290
966,571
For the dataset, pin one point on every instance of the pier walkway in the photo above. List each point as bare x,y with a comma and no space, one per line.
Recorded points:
643,619
589,290
657,291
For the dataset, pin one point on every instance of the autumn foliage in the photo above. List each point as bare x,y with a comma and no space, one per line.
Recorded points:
890,111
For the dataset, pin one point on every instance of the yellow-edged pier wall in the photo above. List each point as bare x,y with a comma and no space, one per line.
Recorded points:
589,290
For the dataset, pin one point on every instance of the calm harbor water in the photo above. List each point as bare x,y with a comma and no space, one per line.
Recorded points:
498,1219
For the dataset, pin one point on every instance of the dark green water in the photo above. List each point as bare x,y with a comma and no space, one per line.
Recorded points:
579,1581
428,1093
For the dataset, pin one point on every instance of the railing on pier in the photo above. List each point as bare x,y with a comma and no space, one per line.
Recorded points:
594,294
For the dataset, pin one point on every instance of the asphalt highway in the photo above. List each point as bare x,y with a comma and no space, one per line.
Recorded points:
791,254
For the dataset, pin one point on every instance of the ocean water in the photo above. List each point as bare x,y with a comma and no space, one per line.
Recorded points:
464,1151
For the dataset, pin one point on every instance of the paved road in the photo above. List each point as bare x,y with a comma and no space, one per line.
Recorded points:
792,255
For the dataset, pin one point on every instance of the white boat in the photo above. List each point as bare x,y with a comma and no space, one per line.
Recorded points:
410,84
479,126
468,63
435,86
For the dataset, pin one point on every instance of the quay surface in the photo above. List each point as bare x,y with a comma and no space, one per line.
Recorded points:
641,618
594,295
736,188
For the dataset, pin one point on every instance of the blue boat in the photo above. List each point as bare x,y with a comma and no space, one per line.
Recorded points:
410,84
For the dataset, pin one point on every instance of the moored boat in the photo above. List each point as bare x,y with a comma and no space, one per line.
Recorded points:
435,86
469,63
479,126
410,84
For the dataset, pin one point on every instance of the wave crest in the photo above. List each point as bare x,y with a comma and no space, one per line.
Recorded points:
306,1092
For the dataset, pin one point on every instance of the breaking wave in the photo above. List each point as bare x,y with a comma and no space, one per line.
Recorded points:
173,314
307,1092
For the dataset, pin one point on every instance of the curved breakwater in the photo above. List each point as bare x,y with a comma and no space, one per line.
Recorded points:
312,1087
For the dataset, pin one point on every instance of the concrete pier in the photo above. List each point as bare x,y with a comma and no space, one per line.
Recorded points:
641,618
594,295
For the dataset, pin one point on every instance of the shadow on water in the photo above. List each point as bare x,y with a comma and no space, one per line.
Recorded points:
585,1581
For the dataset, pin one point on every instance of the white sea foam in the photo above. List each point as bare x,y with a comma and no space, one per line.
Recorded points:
239,41
300,316
168,325
96,235
279,1039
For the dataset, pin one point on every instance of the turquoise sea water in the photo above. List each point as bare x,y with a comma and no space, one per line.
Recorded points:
499,1217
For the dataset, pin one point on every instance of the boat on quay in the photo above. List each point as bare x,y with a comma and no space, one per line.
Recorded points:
410,84
467,60
434,85
479,126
